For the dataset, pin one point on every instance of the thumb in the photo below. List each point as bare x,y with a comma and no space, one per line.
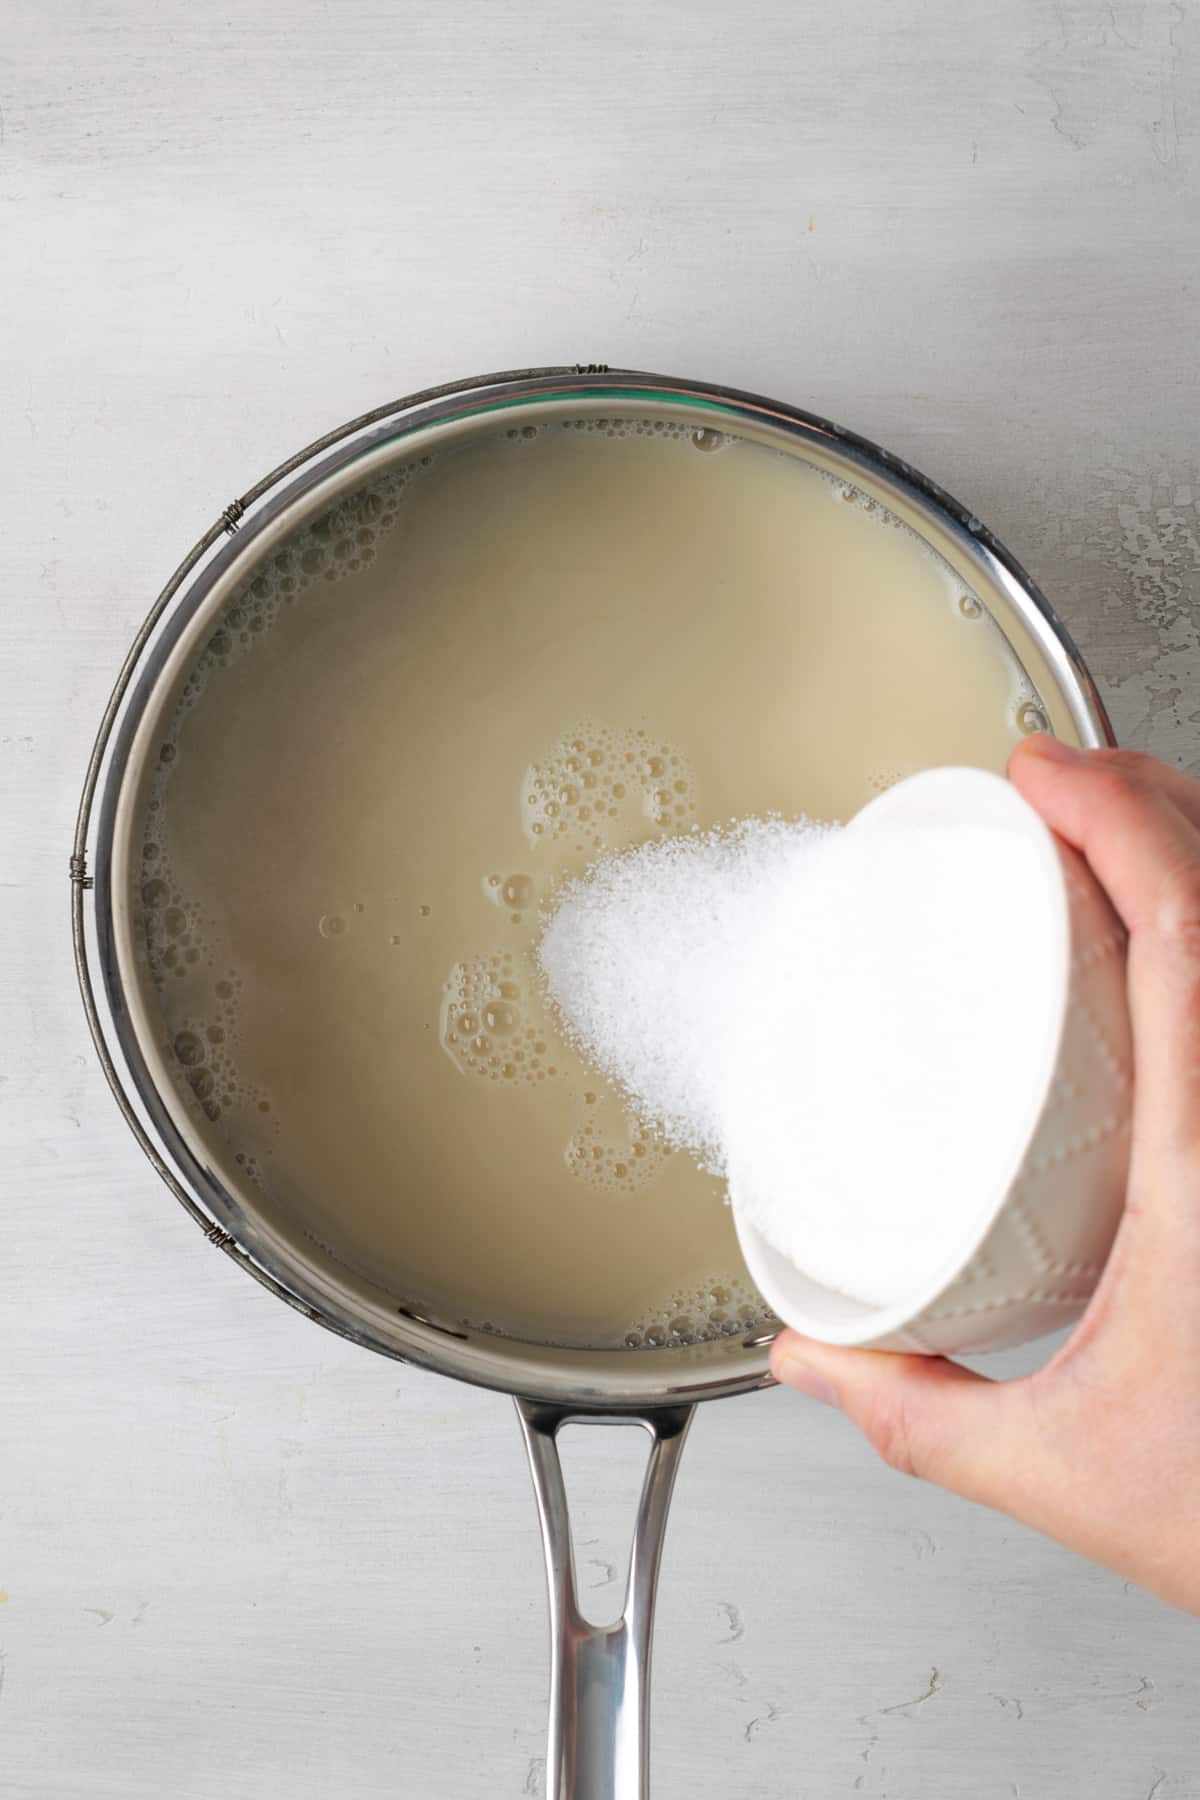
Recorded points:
924,1415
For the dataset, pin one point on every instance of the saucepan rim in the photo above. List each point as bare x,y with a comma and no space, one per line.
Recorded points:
584,1381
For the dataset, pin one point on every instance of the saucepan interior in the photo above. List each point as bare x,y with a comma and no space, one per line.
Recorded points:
236,1209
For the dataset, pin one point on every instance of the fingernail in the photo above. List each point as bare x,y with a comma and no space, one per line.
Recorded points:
1053,749
794,1372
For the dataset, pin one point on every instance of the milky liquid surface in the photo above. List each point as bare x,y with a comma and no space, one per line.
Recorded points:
415,720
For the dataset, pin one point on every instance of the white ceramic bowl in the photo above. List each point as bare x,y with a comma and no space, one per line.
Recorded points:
1030,1254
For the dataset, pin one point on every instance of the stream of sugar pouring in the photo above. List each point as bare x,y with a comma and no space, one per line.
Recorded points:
830,1020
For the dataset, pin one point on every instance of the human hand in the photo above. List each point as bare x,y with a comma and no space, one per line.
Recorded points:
1100,1448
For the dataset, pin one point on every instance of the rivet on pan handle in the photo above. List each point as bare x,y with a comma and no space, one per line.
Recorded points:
600,1674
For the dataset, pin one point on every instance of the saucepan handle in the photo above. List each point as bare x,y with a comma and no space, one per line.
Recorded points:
600,1674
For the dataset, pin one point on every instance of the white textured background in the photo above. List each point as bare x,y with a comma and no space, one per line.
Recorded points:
239,1559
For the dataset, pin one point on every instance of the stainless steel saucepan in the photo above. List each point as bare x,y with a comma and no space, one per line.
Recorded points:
600,1674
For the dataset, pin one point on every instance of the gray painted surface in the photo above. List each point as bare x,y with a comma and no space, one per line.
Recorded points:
238,1558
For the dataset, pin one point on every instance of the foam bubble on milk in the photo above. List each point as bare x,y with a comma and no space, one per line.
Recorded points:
491,1022
596,779
828,1020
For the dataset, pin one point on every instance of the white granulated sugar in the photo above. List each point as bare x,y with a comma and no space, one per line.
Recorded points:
636,954
834,1021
